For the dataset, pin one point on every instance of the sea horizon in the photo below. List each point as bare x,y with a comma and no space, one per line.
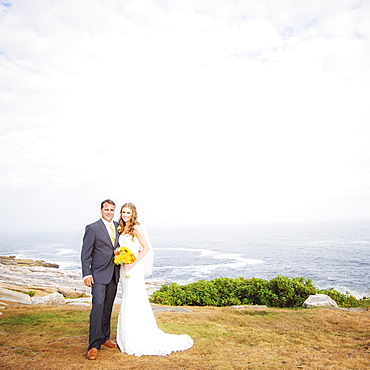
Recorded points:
334,254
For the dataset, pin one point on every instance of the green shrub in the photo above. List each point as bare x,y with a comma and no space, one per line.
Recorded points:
290,292
342,299
364,302
224,292
172,295
278,292
254,291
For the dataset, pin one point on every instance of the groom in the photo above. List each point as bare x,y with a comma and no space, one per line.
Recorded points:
100,274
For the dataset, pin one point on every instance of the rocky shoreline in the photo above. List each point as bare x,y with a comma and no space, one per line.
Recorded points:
39,278
12,260
26,281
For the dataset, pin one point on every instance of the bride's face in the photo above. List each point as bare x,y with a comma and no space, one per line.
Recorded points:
126,214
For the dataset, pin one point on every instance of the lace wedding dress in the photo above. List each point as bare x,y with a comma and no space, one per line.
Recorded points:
137,330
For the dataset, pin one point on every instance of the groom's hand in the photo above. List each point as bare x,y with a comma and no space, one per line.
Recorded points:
89,281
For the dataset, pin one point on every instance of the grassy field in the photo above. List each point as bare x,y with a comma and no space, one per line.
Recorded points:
46,337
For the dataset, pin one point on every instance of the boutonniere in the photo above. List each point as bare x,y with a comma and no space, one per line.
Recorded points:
119,228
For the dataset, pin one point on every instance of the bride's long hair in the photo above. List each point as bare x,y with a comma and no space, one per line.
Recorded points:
133,220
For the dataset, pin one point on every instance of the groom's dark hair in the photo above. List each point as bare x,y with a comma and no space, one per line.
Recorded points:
107,201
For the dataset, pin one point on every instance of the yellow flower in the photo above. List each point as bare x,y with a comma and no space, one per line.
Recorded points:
123,255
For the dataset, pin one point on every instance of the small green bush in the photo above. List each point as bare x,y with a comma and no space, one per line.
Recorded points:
278,292
343,300
290,292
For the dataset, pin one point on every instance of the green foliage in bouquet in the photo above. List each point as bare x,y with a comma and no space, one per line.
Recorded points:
278,292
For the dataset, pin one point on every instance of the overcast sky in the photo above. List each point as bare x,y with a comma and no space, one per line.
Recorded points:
197,111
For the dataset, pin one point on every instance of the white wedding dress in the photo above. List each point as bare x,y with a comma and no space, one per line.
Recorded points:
137,330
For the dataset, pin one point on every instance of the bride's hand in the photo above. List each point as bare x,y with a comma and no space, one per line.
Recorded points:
128,266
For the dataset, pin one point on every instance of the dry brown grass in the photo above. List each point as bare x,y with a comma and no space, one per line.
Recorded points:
224,338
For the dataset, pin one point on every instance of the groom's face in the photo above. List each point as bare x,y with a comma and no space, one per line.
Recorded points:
107,212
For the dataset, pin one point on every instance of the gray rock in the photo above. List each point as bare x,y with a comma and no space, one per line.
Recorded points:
157,308
319,300
250,306
79,302
51,299
11,260
68,293
11,296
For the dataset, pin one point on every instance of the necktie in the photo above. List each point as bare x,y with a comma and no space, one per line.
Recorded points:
112,234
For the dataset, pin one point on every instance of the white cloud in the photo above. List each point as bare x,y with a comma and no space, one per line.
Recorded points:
183,106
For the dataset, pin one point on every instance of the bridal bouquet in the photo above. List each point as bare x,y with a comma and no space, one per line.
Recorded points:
123,255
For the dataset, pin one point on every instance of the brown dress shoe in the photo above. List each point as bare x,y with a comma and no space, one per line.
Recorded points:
92,354
110,343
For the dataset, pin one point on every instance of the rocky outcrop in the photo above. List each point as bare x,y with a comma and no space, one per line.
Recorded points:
11,260
319,300
16,297
28,283
40,281
56,299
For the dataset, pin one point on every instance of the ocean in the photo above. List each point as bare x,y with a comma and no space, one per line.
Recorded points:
332,254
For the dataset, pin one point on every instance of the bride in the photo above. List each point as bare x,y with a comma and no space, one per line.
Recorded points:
137,330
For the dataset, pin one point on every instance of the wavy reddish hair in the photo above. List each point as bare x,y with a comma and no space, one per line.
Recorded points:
133,220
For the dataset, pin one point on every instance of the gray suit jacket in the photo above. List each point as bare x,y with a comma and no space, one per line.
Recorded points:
98,252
